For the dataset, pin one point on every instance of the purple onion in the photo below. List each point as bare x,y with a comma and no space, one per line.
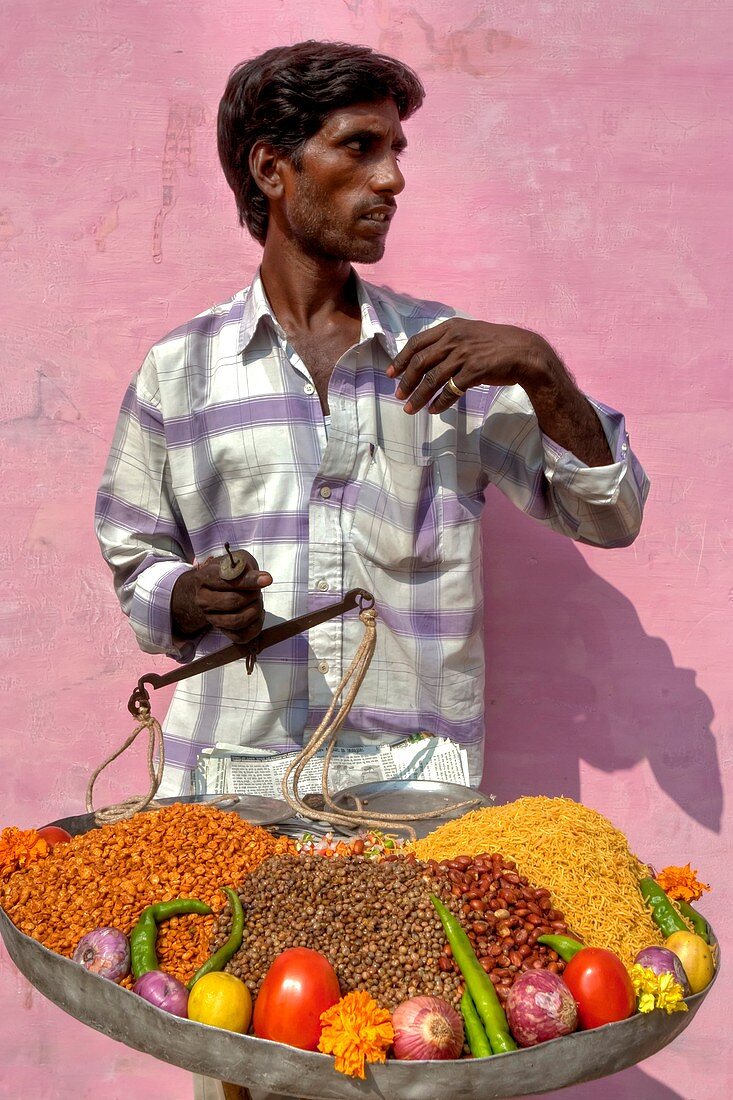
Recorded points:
105,951
425,1028
539,1007
663,961
164,991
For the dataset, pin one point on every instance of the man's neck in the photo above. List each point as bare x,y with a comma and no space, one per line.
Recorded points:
306,292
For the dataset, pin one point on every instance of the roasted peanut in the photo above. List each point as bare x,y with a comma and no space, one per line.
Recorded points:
504,916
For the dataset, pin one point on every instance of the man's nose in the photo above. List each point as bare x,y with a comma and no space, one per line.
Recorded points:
389,178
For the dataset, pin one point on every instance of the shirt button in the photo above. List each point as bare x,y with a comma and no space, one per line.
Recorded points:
323,586
323,666
325,492
309,388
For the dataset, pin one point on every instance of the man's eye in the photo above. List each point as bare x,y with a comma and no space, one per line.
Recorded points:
359,145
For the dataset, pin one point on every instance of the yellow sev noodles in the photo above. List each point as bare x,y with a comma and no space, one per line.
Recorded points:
574,852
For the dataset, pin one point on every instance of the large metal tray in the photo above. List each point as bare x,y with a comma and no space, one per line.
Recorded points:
244,1060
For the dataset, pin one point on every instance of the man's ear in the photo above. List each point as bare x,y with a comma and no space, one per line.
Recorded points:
266,164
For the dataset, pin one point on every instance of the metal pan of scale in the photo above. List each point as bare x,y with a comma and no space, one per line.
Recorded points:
412,796
245,1060
256,809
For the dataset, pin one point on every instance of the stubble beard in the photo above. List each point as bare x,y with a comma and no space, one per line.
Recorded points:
320,235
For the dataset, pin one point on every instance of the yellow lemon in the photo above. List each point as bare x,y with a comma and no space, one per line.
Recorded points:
695,956
220,1000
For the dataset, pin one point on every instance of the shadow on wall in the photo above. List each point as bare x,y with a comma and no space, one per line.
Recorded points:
571,675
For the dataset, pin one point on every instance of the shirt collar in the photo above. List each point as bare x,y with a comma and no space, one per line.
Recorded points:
374,323
256,307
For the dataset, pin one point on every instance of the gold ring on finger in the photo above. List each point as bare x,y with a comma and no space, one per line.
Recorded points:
454,389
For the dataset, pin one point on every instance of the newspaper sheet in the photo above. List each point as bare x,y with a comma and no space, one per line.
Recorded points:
227,769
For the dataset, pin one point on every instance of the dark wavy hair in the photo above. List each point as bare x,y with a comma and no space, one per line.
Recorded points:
283,96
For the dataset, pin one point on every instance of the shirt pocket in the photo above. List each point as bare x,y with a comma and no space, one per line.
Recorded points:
398,521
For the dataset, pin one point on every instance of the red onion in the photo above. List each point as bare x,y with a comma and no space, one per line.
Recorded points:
540,1006
163,991
105,951
426,1028
663,961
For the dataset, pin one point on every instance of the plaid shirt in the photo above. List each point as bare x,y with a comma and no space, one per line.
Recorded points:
221,438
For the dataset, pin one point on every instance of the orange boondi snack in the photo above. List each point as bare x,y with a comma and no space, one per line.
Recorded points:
19,848
681,883
356,1030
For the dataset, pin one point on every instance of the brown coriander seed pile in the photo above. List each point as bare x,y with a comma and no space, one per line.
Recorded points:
374,922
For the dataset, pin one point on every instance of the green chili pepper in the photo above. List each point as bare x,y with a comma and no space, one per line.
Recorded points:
142,938
162,910
220,958
664,914
142,944
477,981
697,920
565,946
477,1038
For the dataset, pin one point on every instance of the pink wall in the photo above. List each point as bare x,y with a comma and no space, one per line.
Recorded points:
566,173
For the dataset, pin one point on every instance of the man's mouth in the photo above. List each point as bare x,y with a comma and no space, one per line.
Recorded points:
380,215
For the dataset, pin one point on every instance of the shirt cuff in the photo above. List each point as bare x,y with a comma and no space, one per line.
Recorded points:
593,484
150,613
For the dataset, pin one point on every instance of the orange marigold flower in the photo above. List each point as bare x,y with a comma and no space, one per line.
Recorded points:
19,848
356,1030
681,882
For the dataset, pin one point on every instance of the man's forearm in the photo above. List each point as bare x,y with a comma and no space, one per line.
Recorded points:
563,412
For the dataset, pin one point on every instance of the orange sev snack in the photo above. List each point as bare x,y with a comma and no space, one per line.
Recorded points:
109,875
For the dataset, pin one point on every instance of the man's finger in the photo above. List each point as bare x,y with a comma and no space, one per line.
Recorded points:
212,601
433,382
414,344
451,392
424,368
240,620
250,581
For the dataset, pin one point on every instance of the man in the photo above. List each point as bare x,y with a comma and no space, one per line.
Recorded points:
342,435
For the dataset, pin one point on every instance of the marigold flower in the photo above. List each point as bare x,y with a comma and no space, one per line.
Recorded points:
657,990
356,1030
19,848
681,882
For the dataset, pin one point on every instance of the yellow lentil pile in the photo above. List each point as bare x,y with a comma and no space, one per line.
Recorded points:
575,852
109,875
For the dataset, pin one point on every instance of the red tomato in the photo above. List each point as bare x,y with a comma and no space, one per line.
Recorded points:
298,987
53,835
601,985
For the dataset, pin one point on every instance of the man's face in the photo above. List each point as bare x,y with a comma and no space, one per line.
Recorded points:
340,202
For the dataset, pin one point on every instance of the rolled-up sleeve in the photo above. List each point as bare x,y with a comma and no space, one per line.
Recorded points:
140,532
599,505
